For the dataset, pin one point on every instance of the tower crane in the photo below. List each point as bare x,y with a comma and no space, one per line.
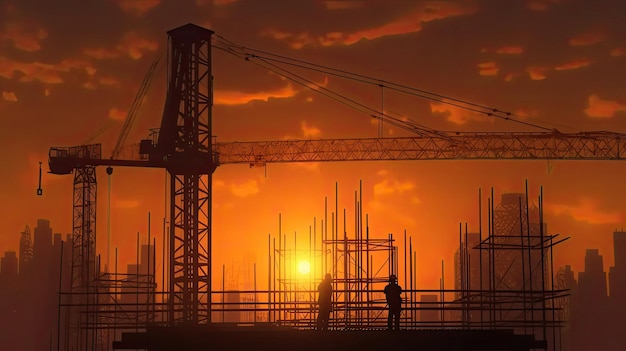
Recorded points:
186,149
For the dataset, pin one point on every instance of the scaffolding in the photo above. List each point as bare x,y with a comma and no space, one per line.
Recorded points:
504,280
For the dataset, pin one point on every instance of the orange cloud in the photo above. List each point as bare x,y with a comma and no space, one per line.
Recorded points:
9,96
574,64
43,72
245,189
343,5
537,73
117,114
586,211
24,35
389,187
138,7
510,50
599,108
618,52
541,5
488,69
241,98
132,45
510,76
586,39
526,113
309,131
455,114
412,22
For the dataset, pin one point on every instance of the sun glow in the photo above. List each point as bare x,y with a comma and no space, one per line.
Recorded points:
304,267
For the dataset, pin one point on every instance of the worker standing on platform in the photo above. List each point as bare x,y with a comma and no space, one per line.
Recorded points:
324,300
393,293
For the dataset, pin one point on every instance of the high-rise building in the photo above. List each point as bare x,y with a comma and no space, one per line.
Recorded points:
42,247
617,273
592,282
517,224
619,247
26,252
591,305
470,277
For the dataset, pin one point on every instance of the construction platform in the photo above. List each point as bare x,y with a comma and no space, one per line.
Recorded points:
267,337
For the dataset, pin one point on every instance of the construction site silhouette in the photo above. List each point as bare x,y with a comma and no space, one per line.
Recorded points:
506,293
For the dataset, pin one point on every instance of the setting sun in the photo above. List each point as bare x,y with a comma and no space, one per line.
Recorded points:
304,267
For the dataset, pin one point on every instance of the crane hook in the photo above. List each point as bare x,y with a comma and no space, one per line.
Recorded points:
39,190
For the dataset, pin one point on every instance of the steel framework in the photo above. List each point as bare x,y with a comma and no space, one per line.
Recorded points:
185,145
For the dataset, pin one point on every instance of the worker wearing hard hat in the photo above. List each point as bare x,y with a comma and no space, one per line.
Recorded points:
393,293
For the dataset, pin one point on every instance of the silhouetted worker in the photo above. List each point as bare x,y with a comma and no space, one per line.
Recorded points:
393,293
324,300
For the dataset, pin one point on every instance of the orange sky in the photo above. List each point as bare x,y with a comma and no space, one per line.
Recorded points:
68,69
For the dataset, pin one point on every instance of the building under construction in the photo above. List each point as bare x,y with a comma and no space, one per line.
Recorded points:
512,305
504,296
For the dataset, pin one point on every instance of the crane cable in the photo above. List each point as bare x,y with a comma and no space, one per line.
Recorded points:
408,125
470,106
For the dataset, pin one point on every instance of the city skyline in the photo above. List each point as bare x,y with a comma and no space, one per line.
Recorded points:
564,71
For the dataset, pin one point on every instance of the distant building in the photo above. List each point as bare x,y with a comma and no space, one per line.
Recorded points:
26,252
589,327
42,246
232,305
430,310
469,276
617,273
8,266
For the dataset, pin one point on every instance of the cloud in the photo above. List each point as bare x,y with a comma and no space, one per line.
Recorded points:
240,98
526,113
26,36
586,211
245,189
510,50
510,76
342,5
411,22
488,69
574,64
618,52
309,131
586,39
389,187
9,96
455,114
117,114
137,7
599,108
44,72
537,73
132,45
